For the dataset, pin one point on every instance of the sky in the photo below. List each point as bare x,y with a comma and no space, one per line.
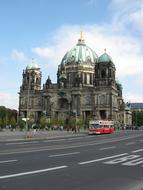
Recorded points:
46,29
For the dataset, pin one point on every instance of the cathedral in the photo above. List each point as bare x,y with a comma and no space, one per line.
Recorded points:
86,88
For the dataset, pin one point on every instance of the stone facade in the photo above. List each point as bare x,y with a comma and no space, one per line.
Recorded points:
86,87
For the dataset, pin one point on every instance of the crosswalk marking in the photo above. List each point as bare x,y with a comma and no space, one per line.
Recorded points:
122,159
101,159
133,162
139,150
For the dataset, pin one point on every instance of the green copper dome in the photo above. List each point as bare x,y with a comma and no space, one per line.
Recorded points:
32,65
105,58
80,54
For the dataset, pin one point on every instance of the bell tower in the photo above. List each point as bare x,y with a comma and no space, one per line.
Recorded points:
105,85
30,92
31,77
105,71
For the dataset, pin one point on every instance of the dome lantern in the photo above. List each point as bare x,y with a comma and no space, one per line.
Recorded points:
81,39
32,65
105,58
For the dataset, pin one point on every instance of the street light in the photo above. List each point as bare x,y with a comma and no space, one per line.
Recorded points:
75,112
136,119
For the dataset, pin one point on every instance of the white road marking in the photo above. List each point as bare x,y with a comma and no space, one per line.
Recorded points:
122,159
54,140
139,150
141,140
20,143
32,172
101,159
106,148
5,161
66,154
75,138
130,143
134,162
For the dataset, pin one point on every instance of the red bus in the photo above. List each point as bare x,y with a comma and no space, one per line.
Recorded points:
101,127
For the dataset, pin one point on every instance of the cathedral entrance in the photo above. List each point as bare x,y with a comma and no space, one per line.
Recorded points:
64,109
88,114
102,114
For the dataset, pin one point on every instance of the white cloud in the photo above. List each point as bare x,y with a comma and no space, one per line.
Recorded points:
17,55
62,42
125,6
91,2
44,52
137,18
133,98
128,14
139,80
9,100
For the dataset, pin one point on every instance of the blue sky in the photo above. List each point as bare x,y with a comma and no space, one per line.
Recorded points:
46,29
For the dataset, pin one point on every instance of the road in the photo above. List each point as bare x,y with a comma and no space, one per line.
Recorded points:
101,162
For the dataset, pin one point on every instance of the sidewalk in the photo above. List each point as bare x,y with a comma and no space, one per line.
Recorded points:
33,135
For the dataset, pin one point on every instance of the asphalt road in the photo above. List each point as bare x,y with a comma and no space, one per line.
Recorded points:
102,162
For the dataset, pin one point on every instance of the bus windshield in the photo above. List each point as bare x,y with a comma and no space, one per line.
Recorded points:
94,126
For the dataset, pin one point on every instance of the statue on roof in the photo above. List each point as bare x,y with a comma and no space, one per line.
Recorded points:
48,82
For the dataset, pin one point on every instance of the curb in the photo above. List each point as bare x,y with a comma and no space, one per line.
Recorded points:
32,138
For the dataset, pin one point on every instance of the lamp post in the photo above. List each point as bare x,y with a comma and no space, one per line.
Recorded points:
75,112
136,119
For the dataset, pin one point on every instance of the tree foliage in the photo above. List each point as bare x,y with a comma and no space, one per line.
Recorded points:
21,123
137,118
7,117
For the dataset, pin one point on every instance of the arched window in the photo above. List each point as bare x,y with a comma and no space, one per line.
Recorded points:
88,78
103,114
103,73
110,73
63,103
102,99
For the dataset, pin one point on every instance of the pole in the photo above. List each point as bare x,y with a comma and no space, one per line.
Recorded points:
75,121
136,119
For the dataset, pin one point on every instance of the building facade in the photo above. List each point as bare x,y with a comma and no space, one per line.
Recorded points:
86,87
136,106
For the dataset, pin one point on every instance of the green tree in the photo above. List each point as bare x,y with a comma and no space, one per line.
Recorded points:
72,123
21,123
13,123
43,121
60,122
1,124
86,122
80,122
6,114
137,118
